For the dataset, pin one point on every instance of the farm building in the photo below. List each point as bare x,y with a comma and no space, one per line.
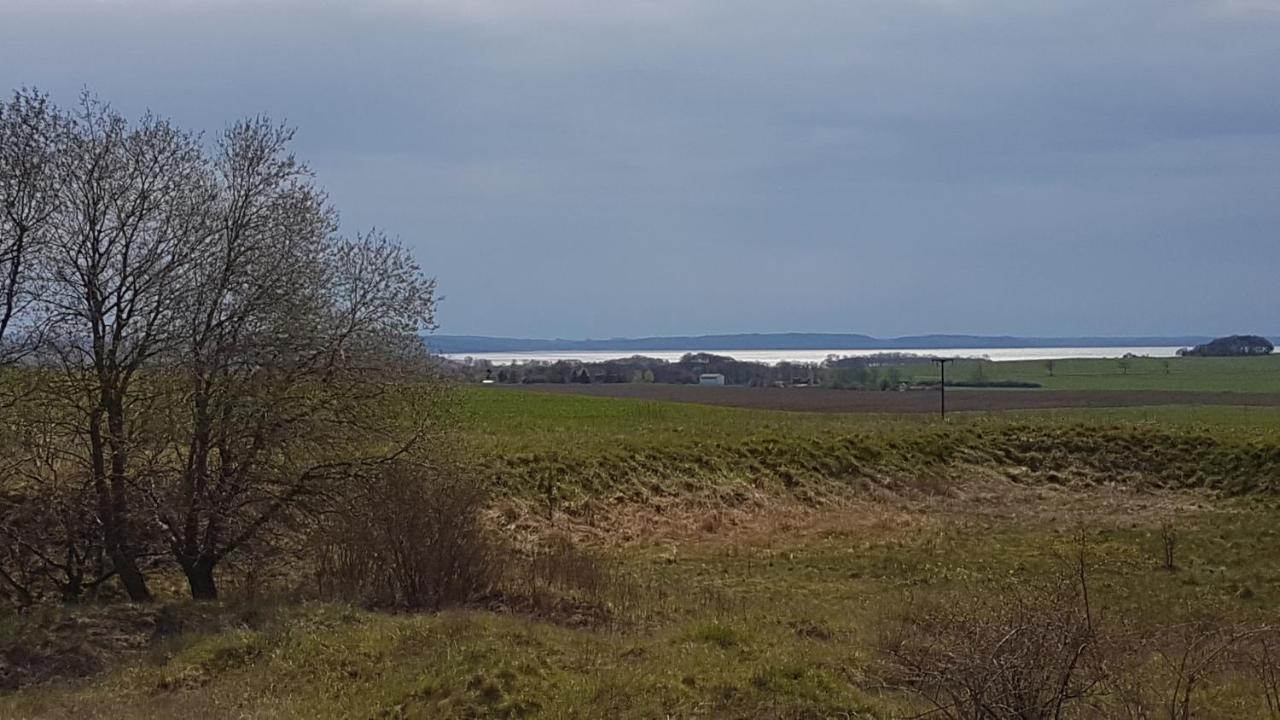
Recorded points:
711,379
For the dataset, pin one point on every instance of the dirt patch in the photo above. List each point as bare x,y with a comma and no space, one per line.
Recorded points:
914,401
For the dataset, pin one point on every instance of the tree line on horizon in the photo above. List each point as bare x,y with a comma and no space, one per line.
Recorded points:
874,372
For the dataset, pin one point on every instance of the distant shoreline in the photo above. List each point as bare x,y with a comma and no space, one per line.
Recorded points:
468,344
773,356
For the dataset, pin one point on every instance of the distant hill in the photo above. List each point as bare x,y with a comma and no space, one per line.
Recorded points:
458,344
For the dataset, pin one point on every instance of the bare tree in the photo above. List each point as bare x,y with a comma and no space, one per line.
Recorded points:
28,136
28,199
288,333
130,216
226,360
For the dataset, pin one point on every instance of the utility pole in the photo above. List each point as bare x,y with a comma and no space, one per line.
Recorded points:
942,386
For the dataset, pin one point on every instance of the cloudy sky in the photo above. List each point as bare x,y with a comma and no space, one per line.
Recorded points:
596,168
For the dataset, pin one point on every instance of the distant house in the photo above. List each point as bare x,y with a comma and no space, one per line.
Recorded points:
711,379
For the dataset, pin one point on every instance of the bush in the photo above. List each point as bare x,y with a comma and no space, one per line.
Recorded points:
1034,653
1022,655
411,537
557,580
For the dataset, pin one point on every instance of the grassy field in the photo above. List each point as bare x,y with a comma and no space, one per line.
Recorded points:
1256,374
517,417
757,621
594,448
746,564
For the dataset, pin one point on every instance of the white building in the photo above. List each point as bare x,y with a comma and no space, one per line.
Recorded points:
711,379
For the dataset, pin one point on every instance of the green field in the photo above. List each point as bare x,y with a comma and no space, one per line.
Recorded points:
593,446
748,564
1245,374
517,417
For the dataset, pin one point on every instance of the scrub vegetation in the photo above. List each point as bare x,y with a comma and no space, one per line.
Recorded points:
678,560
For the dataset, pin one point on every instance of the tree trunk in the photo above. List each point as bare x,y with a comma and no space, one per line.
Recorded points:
121,560
135,584
72,589
197,565
200,579
122,557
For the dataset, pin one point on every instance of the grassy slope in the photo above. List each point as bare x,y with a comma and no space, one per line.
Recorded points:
767,619
1261,374
777,631
594,448
502,421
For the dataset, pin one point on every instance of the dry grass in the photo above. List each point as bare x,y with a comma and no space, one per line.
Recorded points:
739,514
752,577
773,613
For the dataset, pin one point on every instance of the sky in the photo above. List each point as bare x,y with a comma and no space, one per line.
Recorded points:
602,168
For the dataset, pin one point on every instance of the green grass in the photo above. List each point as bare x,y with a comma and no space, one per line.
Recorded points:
507,419
593,448
1256,374
771,616
782,632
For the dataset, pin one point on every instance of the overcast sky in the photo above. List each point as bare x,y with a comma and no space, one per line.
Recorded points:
580,168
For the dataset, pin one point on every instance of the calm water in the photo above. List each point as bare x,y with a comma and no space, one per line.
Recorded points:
776,356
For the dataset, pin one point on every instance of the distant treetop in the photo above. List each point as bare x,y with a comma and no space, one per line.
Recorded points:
1231,346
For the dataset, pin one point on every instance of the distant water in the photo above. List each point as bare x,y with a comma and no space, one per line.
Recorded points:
777,356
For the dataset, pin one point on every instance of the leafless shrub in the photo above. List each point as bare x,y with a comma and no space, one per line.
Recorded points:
1193,653
1168,540
1164,671
1029,653
559,580
50,546
1261,654
412,537
561,565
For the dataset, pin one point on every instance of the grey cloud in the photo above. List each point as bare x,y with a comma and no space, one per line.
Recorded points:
580,168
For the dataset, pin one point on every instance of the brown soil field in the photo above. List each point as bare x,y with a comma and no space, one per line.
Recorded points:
915,401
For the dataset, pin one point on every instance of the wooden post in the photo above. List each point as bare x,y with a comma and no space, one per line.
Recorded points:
942,386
